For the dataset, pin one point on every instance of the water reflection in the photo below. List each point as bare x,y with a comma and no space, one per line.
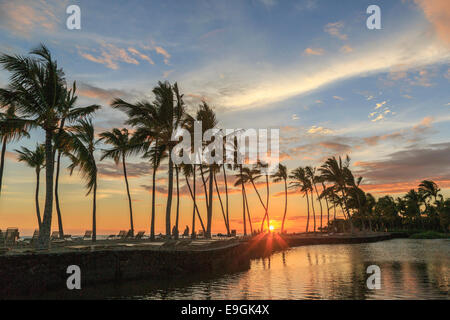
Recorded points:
410,269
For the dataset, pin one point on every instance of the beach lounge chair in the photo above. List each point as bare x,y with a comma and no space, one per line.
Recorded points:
87,235
11,236
35,237
139,235
122,235
54,236
2,239
129,235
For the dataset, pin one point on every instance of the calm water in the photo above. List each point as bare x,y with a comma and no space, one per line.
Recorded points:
410,269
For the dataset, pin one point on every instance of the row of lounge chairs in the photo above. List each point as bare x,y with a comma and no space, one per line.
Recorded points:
10,238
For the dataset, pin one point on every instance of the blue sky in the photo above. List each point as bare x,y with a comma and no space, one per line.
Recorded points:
308,67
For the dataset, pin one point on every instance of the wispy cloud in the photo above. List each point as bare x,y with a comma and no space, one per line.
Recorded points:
335,29
438,13
314,52
280,82
319,130
23,18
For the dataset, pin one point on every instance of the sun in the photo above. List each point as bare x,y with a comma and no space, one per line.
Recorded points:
271,228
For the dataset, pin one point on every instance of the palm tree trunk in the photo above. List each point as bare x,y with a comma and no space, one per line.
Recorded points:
262,203
152,222
36,198
2,162
221,205
128,194
226,197
195,202
307,205
210,207
58,209
178,202
94,213
267,201
44,232
321,209
248,212
193,235
328,207
285,205
202,174
243,203
313,209
169,197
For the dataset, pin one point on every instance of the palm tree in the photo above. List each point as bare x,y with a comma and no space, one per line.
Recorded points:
11,128
189,170
37,89
157,121
333,171
68,113
263,167
34,159
310,174
208,119
242,179
413,201
302,183
252,175
155,154
119,139
281,175
429,189
325,195
83,145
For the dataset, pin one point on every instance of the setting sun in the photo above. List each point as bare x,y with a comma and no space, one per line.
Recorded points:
271,228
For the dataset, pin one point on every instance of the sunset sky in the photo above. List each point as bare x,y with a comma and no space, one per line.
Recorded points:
309,67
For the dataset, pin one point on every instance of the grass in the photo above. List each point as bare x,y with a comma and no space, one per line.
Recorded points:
430,235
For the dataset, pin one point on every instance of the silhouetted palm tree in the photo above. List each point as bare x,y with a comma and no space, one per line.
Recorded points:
310,174
37,89
68,114
208,119
302,183
119,139
333,171
281,175
263,167
157,121
84,145
429,189
11,128
241,179
34,159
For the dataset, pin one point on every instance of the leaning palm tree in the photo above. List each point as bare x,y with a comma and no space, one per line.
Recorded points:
263,167
119,139
37,89
68,114
11,128
252,175
281,175
333,171
34,159
242,179
429,189
310,174
84,145
157,121
208,119
155,153
302,183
